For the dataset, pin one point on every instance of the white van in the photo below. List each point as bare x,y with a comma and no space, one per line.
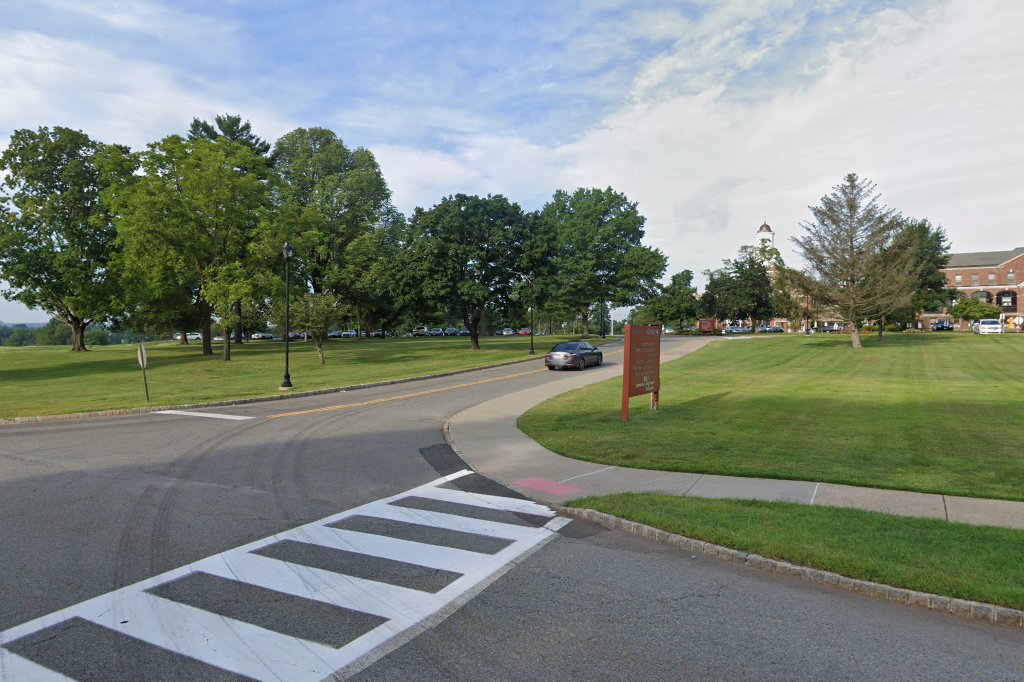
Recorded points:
989,327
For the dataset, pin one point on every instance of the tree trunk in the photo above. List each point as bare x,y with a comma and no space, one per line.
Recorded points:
207,329
184,338
78,334
855,337
318,340
227,343
238,322
881,328
473,322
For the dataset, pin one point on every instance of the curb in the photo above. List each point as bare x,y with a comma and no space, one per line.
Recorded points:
245,401
962,608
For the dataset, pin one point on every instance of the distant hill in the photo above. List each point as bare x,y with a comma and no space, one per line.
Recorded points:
30,325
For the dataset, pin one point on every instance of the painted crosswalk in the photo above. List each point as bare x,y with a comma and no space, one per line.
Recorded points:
303,604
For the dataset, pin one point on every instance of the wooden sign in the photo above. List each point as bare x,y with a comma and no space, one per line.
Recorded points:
641,372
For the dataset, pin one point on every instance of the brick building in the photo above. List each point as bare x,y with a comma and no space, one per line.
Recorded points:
995,277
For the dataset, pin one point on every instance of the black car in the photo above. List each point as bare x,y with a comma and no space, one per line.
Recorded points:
942,326
576,354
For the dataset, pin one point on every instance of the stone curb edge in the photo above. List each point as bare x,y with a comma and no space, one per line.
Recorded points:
963,608
245,401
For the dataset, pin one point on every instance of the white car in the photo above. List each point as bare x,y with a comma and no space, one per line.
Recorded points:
191,336
989,327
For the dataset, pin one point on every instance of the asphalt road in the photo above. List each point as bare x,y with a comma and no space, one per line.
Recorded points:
90,508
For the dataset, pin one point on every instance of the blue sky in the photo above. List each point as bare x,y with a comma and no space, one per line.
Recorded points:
713,116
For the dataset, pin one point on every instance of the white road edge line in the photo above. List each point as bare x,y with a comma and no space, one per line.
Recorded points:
211,415
814,494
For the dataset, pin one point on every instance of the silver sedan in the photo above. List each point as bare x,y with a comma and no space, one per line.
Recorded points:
576,354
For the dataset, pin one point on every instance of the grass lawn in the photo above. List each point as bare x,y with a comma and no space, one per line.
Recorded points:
937,413
46,380
980,563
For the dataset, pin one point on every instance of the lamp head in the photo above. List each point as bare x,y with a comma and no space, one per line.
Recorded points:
288,251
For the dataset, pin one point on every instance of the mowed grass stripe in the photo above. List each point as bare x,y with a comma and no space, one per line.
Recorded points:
938,413
52,380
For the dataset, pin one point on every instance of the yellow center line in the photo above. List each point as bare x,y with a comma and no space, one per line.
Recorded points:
405,396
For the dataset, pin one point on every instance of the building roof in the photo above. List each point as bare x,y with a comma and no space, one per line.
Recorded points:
983,259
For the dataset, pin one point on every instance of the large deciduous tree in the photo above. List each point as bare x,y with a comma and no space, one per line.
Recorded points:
464,255
847,249
232,128
327,195
740,290
599,254
190,218
56,237
676,305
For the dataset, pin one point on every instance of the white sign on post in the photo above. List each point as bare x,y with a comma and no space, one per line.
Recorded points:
142,364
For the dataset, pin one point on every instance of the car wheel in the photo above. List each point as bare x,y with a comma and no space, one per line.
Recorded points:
551,367
581,364
600,359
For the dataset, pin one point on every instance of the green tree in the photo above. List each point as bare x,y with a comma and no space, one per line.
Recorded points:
463,256
742,290
56,236
327,195
195,210
372,274
676,305
600,257
930,256
231,127
316,315
972,309
845,248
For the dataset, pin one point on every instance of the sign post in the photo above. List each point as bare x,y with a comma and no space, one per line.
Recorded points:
641,372
142,364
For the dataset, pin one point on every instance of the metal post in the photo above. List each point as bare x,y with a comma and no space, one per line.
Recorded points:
533,306
288,253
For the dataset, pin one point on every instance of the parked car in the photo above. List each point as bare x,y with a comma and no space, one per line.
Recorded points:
734,329
334,335
508,331
773,329
942,326
260,336
349,334
577,354
191,336
989,327
451,331
524,331
464,332
420,331
437,331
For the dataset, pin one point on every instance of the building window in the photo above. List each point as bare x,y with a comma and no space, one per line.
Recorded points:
1007,300
974,280
991,279
1011,278
958,280
982,296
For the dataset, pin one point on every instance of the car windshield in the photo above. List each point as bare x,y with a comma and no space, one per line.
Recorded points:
566,346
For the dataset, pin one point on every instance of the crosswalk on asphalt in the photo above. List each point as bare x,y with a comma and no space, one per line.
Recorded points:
329,596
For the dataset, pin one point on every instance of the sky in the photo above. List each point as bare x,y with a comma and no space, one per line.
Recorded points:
714,116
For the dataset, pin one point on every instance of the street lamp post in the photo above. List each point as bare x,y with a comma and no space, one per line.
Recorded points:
288,252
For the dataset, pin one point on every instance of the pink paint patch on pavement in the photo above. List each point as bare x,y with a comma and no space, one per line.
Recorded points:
545,486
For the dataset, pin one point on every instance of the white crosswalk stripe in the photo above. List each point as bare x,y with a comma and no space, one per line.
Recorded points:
263,653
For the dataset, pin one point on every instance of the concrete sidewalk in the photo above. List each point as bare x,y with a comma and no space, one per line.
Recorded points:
486,437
